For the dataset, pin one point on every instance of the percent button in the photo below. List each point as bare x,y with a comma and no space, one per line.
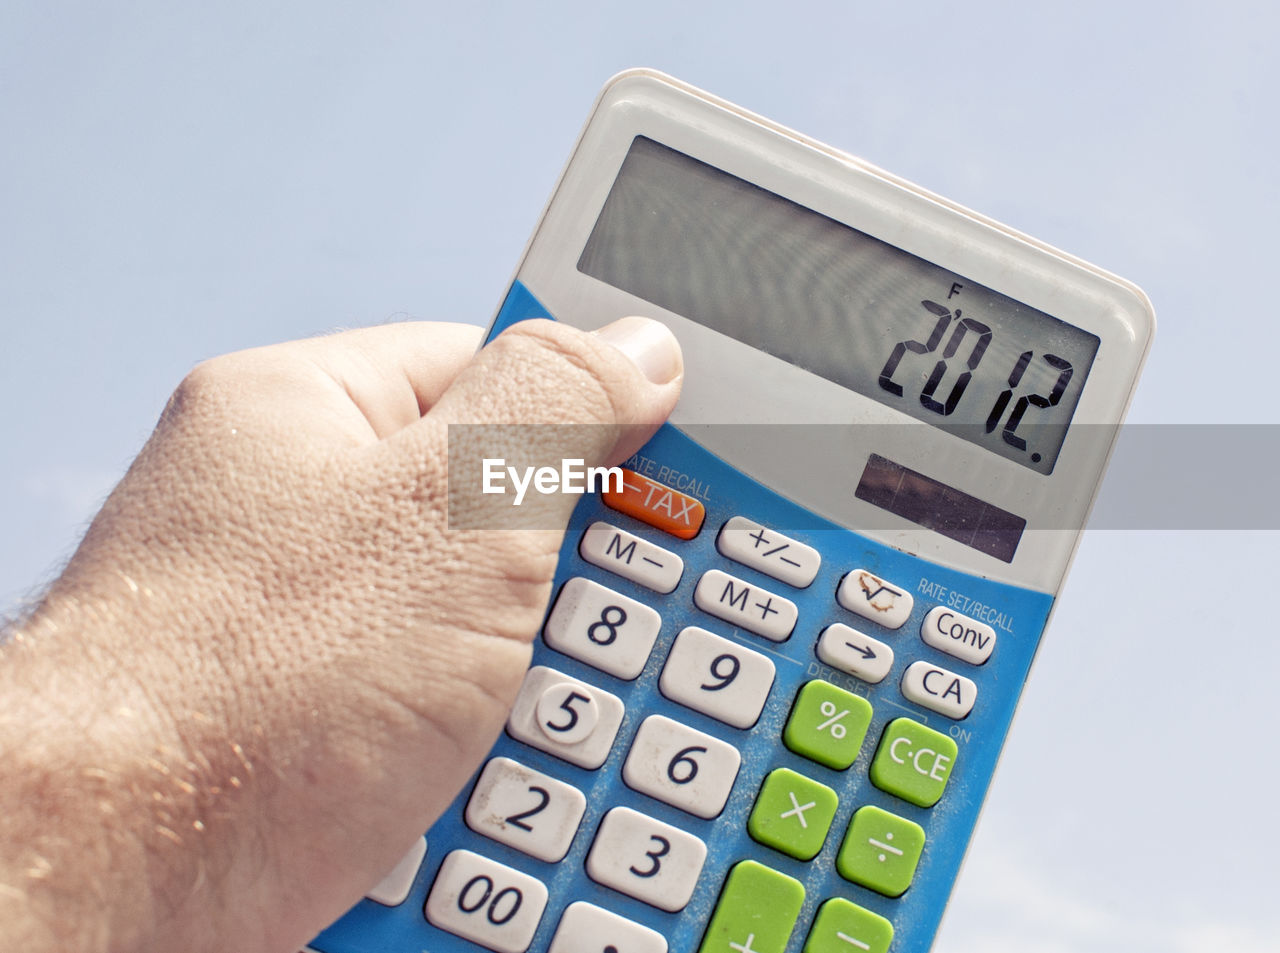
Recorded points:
827,724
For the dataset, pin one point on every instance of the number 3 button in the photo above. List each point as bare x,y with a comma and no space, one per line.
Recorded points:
646,859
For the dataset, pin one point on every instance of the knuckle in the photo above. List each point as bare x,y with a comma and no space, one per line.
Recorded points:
587,372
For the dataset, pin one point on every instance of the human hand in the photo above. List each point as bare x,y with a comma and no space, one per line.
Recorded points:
272,662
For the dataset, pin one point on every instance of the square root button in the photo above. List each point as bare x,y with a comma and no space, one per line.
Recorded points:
874,598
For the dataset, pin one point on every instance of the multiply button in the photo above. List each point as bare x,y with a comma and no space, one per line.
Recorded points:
792,814
881,851
875,599
656,504
756,912
913,762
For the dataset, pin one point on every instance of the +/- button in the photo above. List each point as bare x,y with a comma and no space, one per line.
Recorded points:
658,505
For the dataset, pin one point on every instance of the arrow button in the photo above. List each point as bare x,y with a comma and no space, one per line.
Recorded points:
854,652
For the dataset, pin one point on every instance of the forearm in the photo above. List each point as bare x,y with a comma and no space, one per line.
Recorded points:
102,808
73,863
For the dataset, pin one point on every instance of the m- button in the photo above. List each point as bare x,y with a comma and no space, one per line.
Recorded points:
657,504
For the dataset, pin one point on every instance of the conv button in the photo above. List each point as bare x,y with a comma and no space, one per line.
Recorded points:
967,639
657,504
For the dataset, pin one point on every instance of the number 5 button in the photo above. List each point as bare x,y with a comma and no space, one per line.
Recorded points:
565,717
683,767
646,859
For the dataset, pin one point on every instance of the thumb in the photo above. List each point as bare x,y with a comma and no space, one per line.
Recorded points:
541,395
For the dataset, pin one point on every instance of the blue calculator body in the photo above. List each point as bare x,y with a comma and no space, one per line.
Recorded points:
783,651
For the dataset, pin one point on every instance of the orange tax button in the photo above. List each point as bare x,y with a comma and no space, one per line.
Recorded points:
658,505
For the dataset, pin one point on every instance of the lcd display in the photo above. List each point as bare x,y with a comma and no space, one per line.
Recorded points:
825,297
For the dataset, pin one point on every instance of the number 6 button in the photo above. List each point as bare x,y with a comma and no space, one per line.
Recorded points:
646,859
683,767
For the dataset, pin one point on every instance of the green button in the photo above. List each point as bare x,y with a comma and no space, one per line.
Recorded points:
844,927
880,851
827,724
913,762
792,814
757,910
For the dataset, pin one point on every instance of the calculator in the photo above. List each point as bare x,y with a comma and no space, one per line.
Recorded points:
783,651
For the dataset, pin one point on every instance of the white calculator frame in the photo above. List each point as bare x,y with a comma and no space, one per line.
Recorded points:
722,374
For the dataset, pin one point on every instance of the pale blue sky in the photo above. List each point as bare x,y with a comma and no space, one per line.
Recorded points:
179,180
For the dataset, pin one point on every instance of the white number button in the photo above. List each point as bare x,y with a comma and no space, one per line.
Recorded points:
646,859
967,639
486,902
586,928
394,888
602,628
746,606
851,651
551,711
939,690
683,767
717,677
873,598
631,557
525,809
759,547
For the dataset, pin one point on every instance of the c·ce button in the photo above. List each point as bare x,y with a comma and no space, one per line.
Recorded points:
913,762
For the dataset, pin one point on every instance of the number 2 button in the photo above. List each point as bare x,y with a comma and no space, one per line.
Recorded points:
646,859
525,809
